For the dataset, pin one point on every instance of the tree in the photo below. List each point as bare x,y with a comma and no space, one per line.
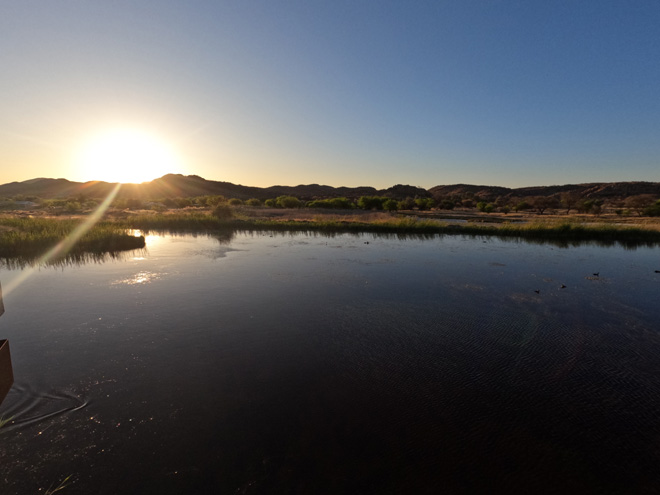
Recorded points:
653,210
639,202
406,204
424,203
447,204
391,205
371,202
569,200
522,206
542,203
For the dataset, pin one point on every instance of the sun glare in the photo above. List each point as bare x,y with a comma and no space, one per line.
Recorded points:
127,156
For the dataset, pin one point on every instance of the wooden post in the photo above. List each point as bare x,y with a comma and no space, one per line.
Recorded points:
6,372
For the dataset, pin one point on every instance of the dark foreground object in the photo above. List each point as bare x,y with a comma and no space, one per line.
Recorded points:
6,373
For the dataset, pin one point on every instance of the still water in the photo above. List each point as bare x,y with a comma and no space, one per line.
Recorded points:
345,364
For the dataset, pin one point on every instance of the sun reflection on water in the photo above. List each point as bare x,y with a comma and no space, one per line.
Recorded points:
139,278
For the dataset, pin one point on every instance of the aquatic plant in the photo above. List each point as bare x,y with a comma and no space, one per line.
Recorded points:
29,238
60,487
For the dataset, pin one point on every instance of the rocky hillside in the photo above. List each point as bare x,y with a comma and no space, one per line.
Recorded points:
609,191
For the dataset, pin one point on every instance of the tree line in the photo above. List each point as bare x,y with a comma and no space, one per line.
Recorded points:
639,205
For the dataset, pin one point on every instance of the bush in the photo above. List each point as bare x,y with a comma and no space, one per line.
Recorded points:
653,210
371,202
391,205
222,212
235,202
270,203
424,203
522,206
406,204
288,202
334,203
253,202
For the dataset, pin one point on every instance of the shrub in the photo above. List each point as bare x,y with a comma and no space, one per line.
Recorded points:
653,210
391,205
235,202
371,202
270,203
424,203
222,212
522,206
288,202
334,203
406,204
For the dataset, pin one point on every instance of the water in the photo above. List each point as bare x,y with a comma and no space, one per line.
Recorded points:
345,364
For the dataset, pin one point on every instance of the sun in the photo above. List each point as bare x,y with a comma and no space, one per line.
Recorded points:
127,156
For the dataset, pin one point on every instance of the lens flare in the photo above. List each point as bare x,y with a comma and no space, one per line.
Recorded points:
65,245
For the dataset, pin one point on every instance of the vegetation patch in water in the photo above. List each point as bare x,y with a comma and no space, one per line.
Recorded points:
30,238
568,230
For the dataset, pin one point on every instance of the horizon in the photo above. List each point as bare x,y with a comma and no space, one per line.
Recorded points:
338,94
334,186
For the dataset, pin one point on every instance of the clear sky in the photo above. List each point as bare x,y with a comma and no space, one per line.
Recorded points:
337,92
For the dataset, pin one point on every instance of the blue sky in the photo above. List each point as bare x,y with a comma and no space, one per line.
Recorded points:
510,93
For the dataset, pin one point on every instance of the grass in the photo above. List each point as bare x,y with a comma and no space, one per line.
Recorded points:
30,238
59,487
560,231
4,421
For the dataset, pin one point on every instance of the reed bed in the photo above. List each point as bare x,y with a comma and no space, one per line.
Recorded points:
549,229
29,238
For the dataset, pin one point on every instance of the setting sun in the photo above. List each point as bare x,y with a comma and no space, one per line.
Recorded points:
127,156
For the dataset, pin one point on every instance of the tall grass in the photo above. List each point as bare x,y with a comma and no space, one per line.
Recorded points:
4,421
566,230
30,238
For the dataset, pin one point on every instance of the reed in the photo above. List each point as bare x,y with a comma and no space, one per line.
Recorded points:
4,421
30,238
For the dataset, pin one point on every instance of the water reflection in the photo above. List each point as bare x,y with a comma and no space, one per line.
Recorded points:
295,366
225,237
71,259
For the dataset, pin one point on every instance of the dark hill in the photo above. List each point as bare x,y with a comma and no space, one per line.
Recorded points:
177,185
611,191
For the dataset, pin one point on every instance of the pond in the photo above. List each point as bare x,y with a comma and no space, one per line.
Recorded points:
271,363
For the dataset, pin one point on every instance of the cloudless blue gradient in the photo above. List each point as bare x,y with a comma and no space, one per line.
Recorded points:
509,93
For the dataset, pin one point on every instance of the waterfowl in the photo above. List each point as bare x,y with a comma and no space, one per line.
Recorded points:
562,286
537,291
597,274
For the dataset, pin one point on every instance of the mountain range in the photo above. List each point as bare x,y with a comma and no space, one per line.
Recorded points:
176,185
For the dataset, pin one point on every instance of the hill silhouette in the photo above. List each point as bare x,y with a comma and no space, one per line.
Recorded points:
177,185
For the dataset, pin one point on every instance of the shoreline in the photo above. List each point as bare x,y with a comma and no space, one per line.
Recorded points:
30,237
